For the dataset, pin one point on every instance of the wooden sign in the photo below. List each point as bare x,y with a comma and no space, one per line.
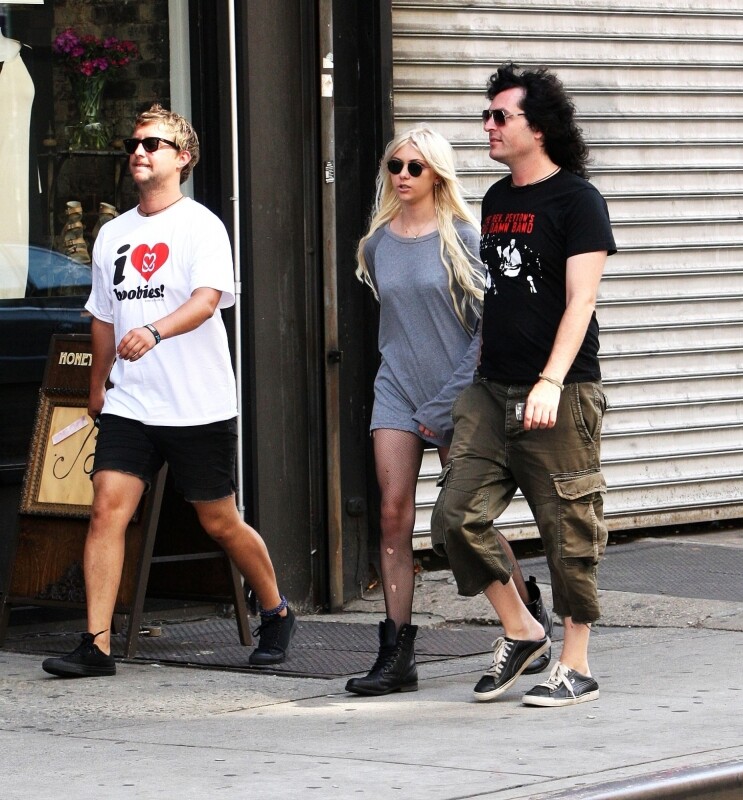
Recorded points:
55,509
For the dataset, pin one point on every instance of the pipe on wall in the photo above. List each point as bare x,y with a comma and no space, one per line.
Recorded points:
333,353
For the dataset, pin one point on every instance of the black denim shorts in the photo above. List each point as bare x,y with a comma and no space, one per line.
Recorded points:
201,458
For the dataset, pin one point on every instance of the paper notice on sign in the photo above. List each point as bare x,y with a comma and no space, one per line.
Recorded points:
68,430
326,85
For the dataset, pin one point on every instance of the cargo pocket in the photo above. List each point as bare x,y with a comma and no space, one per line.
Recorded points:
438,528
582,532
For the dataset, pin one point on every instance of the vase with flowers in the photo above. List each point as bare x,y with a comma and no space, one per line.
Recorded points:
89,62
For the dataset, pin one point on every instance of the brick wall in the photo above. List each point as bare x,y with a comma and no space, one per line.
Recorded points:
137,86
143,82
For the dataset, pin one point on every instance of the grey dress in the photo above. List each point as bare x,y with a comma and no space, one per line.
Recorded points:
428,358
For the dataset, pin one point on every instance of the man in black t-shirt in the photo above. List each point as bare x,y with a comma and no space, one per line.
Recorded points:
532,418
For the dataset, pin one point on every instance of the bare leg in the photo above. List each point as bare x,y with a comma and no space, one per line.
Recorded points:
397,457
575,646
517,622
116,495
243,544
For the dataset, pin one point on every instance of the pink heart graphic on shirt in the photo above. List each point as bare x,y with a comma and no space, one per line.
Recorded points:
148,260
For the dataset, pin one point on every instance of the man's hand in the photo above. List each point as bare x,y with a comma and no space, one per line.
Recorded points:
96,399
541,406
135,344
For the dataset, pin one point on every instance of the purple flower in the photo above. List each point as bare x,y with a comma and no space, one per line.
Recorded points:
88,55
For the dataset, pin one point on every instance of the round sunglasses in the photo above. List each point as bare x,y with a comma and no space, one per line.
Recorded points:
415,168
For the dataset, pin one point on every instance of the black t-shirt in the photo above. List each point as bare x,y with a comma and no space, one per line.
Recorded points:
527,236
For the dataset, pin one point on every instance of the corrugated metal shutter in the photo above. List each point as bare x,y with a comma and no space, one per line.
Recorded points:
660,98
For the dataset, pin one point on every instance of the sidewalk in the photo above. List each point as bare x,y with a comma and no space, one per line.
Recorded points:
671,695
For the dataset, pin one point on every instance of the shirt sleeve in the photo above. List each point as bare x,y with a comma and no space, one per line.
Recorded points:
212,266
588,224
436,413
99,303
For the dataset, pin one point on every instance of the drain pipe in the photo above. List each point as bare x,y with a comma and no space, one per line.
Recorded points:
333,353
235,200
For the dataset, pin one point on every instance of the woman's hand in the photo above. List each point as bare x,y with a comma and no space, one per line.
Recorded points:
429,434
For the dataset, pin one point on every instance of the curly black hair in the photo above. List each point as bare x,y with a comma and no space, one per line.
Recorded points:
548,109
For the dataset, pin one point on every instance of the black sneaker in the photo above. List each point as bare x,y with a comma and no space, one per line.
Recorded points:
275,636
564,687
538,610
85,661
510,659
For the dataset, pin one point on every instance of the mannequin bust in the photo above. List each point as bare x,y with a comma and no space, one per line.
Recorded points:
8,47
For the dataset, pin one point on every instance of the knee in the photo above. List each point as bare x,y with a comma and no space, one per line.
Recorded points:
395,511
219,526
109,513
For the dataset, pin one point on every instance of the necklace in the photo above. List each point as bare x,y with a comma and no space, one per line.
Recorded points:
534,183
416,234
159,211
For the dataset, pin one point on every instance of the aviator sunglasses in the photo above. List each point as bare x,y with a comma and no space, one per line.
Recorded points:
150,144
415,168
499,116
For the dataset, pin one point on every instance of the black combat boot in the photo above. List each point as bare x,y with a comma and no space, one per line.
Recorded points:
540,613
394,670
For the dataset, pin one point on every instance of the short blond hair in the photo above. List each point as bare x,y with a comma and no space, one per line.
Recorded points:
183,133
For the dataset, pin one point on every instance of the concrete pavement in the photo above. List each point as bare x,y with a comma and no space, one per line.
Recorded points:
671,697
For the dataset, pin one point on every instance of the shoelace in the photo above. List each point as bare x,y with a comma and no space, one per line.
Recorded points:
84,648
558,676
269,631
500,654
385,658
87,644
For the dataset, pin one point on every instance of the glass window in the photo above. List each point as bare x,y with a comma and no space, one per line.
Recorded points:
73,76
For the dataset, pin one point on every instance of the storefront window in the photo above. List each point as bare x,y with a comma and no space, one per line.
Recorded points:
73,76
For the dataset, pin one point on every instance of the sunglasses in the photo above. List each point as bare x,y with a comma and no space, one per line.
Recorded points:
499,116
415,168
150,144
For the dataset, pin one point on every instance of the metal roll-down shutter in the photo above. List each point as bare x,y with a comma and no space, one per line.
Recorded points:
660,99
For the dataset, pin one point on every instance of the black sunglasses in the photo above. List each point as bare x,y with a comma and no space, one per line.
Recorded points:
499,116
415,168
150,144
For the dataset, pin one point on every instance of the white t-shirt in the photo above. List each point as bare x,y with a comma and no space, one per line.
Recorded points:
144,268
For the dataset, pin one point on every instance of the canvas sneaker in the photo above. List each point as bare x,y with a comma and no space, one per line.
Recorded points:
538,610
564,687
510,659
85,661
275,635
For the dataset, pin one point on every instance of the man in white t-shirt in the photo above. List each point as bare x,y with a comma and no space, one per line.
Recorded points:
161,273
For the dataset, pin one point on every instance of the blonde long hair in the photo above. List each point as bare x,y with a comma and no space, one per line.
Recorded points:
450,206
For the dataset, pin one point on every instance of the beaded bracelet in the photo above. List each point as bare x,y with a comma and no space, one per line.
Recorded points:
272,612
553,381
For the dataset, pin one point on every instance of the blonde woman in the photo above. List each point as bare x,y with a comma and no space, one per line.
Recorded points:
420,259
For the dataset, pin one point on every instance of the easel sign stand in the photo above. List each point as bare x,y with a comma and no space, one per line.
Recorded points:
46,569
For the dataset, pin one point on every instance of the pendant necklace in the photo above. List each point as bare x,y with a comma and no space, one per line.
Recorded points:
415,235
159,211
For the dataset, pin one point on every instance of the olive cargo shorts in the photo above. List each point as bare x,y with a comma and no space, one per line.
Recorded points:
558,471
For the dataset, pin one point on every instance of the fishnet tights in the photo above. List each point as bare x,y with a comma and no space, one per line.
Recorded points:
397,458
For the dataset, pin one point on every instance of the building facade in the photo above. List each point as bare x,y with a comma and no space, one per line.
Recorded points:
294,101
